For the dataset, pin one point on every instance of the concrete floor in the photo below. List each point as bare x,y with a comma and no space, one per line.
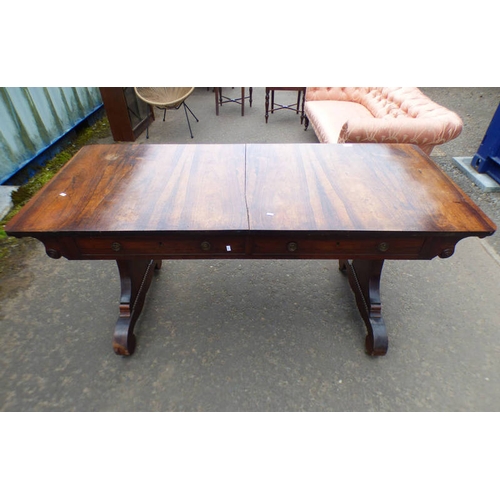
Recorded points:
255,335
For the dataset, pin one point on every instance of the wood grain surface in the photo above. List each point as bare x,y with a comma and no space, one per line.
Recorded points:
351,187
365,188
142,188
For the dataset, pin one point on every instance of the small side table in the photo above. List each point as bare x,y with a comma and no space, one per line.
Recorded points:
298,106
239,100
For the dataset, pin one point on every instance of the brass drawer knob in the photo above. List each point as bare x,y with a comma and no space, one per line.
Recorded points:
292,246
383,247
116,246
205,246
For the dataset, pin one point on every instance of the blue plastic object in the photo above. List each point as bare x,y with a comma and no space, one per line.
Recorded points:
487,158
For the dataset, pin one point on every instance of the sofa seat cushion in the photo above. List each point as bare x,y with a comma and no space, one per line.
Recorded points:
328,117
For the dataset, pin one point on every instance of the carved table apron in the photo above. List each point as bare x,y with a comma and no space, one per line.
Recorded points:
140,204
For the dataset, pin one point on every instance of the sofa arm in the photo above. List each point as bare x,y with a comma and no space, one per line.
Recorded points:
424,132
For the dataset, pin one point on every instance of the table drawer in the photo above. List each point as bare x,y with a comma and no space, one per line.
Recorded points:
336,248
197,246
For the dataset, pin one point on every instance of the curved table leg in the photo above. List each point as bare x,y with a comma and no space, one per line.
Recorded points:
135,279
364,278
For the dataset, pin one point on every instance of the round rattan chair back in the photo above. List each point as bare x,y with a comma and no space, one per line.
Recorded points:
164,97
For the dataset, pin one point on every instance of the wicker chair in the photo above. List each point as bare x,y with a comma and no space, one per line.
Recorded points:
166,98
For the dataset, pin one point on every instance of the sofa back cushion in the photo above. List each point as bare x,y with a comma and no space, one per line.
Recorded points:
387,102
382,102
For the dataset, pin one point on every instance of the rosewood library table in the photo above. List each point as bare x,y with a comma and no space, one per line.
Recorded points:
358,203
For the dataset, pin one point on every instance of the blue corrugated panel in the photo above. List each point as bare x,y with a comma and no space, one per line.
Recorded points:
34,118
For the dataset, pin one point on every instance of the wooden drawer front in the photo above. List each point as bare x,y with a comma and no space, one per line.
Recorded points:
325,248
220,246
253,246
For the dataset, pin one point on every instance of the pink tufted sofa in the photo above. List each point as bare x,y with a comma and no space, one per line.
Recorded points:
379,114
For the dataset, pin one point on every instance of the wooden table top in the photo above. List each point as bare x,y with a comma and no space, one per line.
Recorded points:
141,188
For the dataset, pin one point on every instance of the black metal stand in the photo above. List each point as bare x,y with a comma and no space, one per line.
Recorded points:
186,107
